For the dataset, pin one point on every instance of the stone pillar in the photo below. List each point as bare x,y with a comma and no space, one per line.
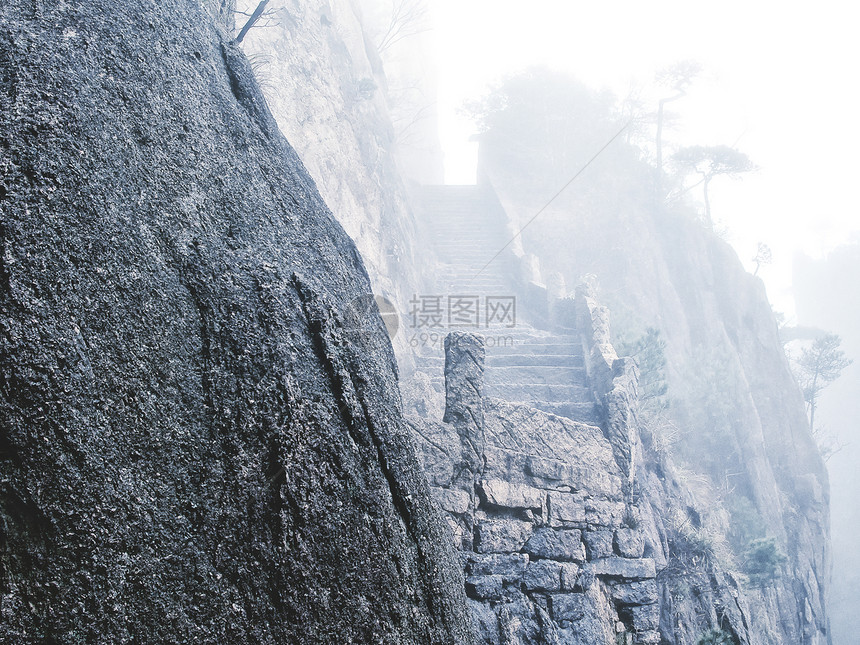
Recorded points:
464,379
464,409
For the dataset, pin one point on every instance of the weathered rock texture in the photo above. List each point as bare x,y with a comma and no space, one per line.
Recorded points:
574,533
193,448
728,378
540,505
328,91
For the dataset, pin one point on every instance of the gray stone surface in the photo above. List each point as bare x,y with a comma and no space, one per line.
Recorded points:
464,379
501,536
485,587
454,501
570,576
556,544
629,543
497,492
635,593
511,566
564,507
622,568
598,543
543,575
645,618
197,444
570,607
486,622
682,279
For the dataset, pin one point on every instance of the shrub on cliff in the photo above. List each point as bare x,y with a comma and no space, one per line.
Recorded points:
715,637
762,561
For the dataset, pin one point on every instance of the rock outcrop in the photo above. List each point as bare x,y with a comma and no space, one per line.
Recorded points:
747,464
329,94
578,533
194,447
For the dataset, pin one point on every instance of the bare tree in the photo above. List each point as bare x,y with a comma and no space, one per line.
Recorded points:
260,15
711,161
762,256
407,18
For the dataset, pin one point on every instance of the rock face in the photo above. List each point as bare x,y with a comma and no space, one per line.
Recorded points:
541,507
194,446
329,93
751,464
577,533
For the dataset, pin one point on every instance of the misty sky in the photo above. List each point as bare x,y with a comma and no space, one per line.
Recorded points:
780,79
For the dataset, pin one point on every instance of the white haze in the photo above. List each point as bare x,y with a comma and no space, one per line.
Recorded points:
780,81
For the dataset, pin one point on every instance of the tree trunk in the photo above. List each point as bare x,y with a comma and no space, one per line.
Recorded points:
659,141
254,18
708,219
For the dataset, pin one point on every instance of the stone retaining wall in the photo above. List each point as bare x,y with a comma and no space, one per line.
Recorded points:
540,506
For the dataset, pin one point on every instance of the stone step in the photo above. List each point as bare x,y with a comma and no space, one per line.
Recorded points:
496,356
544,374
459,233
470,231
476,283
557,374
464,240
471,270
535,360
583,412
558,349
467,281
521,336
539,392
456,237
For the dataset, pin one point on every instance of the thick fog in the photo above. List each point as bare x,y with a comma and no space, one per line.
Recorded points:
776,81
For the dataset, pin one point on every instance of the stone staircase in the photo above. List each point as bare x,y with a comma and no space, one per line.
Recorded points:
542,369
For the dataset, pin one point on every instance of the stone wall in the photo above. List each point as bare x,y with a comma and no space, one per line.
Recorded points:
656,268
539,505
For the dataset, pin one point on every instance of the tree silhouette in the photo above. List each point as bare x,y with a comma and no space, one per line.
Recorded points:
261,12
407,18
763,256
678,78
818,366
711,161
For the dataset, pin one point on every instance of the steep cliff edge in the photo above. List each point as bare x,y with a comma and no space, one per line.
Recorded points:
327,88
743,456
195,447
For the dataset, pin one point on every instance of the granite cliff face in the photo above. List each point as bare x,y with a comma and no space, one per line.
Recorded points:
328,91
655,270
198,443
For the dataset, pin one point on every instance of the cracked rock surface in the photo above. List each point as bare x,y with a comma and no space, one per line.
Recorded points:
193,447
